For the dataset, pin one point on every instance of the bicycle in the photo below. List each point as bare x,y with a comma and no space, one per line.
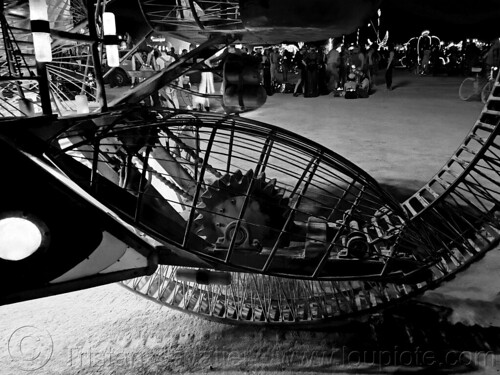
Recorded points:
477,87
486,91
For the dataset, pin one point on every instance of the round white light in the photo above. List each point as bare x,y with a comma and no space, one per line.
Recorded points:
19,238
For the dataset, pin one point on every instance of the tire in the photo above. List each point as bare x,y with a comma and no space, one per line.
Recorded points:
485,92
468,88
119,78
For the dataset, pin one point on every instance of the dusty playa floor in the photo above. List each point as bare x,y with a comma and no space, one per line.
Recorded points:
401,138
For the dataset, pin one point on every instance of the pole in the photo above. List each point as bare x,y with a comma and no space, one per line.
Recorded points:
101,94
43,86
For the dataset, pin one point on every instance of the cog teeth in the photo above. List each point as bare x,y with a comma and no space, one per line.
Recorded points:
236,176
204,202
227,187
215,185
249,173
202,205
198,219
226,179
284,202
245,181
270,188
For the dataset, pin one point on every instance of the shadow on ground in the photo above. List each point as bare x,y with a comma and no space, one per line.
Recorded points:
402,83
413,337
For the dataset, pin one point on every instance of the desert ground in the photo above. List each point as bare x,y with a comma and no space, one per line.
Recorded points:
400,137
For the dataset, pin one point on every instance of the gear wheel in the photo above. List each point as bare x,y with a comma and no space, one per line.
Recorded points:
265,212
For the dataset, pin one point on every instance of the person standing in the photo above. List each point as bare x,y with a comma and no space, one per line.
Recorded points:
332,68
425,61
274,59
373,61
301,64
313,62
266,72
389,68
206,87
169,94
286,64
343,65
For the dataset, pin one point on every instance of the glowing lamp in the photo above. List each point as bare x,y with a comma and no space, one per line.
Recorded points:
19,238
110,39
41,30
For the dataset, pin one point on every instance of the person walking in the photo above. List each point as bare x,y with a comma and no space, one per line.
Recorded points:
390,66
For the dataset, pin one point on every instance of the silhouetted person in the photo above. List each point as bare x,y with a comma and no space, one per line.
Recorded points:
389,68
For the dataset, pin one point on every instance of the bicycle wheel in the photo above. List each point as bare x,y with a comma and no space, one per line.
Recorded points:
468,89
486,91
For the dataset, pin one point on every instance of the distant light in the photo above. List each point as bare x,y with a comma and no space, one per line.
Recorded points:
369,25
19,238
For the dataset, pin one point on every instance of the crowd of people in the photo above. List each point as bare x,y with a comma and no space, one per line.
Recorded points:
310,70
322,70
148,58
352,71
439,58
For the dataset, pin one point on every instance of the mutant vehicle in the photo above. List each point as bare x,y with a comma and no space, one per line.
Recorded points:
210,213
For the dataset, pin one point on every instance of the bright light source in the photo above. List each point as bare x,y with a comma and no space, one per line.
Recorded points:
38,10
112,55
108,23
41,30
42,44
19,238
109,29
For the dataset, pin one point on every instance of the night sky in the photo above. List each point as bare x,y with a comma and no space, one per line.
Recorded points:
450,20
